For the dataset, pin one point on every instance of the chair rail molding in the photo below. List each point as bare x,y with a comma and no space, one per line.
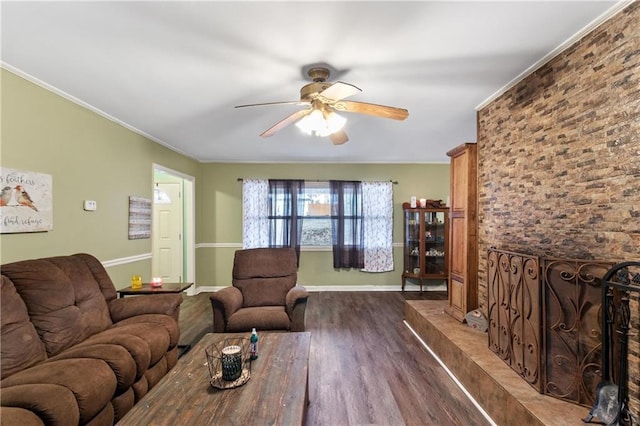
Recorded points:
124,260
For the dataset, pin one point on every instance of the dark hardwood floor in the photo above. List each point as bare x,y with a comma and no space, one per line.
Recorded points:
196,318
365,365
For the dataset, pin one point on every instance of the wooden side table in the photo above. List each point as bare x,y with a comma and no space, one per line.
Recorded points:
147,289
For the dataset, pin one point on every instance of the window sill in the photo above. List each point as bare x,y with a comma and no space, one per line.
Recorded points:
316,248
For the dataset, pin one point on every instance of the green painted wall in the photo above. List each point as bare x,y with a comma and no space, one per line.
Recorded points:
220,214
89,157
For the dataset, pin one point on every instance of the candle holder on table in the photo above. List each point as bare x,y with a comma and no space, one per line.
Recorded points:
230,364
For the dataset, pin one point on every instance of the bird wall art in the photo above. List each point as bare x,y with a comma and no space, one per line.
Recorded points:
25,201
21,197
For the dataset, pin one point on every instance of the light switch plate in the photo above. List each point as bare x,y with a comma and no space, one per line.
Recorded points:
90,205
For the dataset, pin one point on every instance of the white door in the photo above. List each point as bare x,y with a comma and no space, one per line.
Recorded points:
167,232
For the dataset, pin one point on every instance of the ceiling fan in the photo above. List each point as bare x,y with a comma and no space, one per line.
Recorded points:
323,99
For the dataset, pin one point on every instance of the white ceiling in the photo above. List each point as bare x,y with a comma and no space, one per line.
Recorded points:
174,70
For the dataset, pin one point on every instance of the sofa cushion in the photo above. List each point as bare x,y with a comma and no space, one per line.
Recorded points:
63,299
105,417
157,338
167,322
20,346
122,404
172,358
140,388
136,346
265,291
262,318
157,372
91,381
129,307
98,272
264,275
116,356
264,262
51,404
20,416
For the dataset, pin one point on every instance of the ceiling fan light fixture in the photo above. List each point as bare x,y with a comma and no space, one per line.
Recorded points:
335,122
321,124
311,123
323,98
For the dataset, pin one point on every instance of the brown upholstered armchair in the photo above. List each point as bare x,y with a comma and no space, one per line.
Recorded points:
264,294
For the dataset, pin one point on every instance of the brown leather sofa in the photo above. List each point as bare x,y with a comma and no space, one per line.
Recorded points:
71,351
264,294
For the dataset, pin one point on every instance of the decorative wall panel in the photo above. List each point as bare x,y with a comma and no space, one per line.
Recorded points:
514,312
572,300
545,321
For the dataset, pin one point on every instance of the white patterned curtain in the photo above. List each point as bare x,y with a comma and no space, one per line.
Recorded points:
255,210
377,209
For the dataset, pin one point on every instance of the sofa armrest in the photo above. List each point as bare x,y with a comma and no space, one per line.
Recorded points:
297,294
52,404
224,303
296,305
167,304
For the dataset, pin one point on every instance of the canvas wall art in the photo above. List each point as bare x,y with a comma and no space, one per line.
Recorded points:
139,218
26,201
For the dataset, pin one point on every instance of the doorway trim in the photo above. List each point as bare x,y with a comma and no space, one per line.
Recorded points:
188,222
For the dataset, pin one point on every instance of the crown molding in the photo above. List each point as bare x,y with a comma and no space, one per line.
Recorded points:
89,107
615,9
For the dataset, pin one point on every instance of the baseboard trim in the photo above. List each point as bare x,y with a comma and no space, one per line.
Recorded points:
303,248
320,288
396,287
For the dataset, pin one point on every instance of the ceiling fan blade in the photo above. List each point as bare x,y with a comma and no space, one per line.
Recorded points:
339,137
274,103
372,109
338,91
285,122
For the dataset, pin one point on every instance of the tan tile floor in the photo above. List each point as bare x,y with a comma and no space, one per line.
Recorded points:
506,397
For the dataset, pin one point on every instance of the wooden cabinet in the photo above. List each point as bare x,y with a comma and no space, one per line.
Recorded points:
426,235
463,256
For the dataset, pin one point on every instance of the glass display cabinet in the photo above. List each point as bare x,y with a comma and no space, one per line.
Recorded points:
426,235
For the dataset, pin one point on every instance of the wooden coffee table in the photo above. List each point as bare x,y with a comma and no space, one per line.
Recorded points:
276,394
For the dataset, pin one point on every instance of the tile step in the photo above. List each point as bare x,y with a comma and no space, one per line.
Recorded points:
505,396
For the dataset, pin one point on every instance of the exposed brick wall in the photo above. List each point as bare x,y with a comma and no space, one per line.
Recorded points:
559,158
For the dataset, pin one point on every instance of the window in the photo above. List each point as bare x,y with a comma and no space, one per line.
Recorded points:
285,204
318,214
161,197
352,219
316,225
315,212
347,222
297,214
